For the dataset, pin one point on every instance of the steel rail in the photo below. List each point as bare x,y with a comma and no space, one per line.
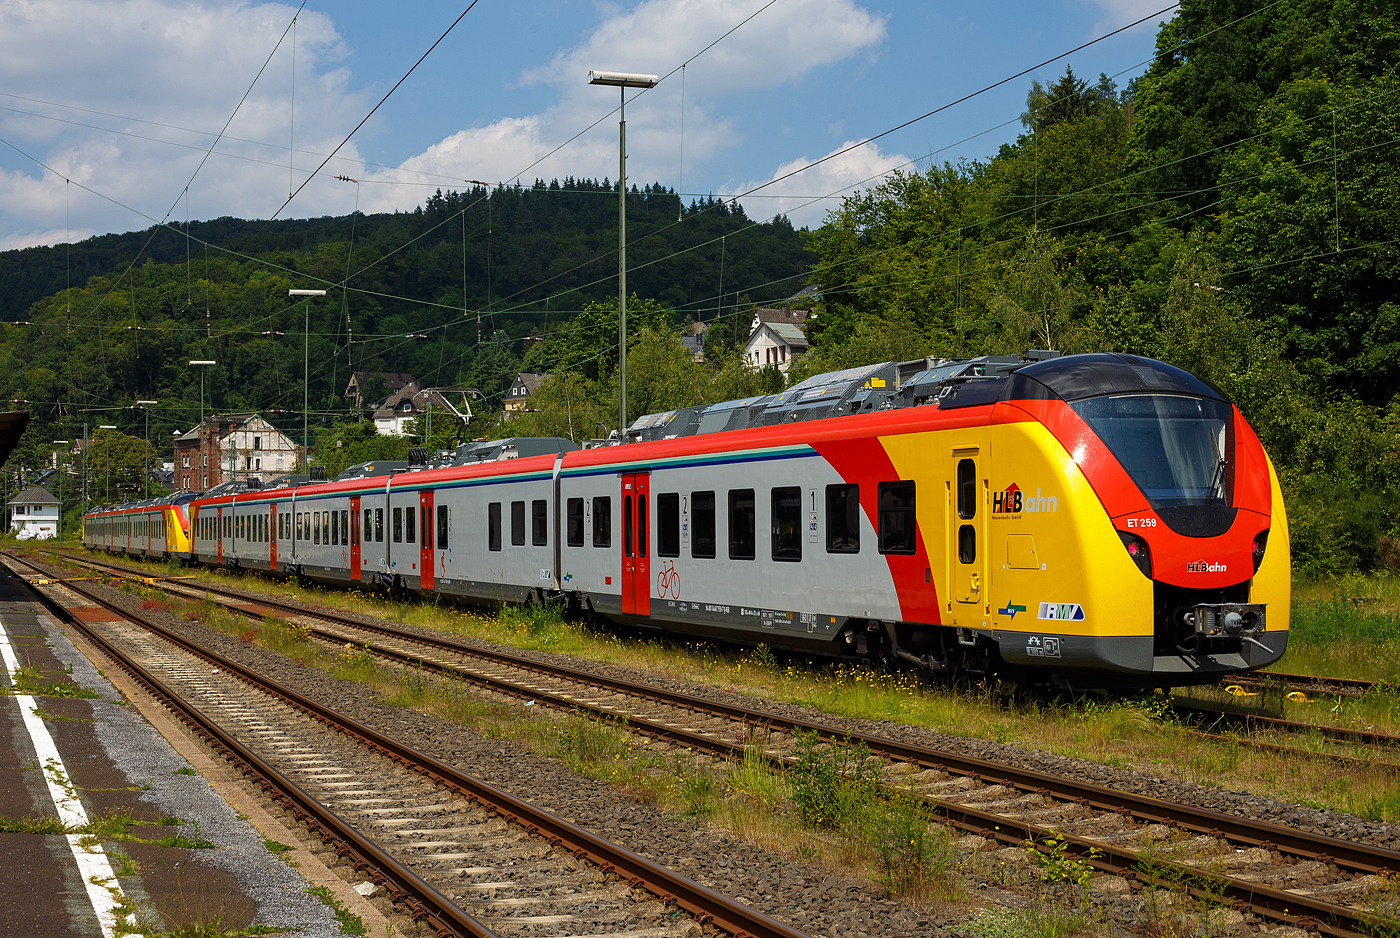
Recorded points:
706,905
425,903
1323,685
1259,721
1349,855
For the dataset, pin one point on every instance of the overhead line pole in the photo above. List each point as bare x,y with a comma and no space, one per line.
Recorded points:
306,371
622,81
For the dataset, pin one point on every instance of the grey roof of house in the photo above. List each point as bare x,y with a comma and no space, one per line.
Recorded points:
34,495
530,380
796,316
789,333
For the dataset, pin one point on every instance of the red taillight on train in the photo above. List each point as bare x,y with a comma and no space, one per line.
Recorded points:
1137,549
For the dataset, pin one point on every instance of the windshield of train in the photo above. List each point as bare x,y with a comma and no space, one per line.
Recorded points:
1174,448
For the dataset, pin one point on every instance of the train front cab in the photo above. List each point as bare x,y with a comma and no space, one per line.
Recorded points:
1135,530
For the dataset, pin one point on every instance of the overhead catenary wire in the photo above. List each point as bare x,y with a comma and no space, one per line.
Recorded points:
380,294
362,122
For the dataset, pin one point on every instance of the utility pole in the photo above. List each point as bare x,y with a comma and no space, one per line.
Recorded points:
306,371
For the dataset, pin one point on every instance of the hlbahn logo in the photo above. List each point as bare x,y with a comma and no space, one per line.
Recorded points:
1013,501
1204,566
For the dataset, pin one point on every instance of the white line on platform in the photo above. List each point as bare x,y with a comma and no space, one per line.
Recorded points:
93,866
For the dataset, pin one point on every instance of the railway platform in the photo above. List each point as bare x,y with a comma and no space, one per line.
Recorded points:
109,811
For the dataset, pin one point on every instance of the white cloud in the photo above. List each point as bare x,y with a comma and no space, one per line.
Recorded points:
185,64
149,62
808,196
779,45
1118,13
36,238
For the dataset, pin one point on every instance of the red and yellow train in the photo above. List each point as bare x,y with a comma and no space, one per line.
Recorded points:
1092,520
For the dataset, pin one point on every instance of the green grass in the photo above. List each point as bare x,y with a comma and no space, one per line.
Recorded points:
29,681
350,923
32,825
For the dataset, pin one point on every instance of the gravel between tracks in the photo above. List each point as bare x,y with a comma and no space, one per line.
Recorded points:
810,899
1241,804
807,898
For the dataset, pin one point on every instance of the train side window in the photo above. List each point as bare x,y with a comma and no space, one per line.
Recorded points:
315,527
627,524
702,542
379,525
517,524
345,526
897,520
967,488
668,524
410,524
574,521
325,527
369,525
787,524
539,522
742,529
843,519
443,524
335,528
602,522
398,525
493,526
641,524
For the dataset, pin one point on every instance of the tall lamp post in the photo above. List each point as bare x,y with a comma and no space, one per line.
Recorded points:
58,467
306,369
622,81
202,364
147,450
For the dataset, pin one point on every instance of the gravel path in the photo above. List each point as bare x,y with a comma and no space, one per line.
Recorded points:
810,899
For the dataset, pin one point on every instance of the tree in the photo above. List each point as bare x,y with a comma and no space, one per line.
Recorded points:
1070,98
1039,304
116,467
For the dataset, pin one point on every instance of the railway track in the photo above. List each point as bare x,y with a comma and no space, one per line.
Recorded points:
1310,684
1308,880
460,856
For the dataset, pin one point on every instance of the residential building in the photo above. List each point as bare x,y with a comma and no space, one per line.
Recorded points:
518,394
364,387
693,338
34,514
777,337
224,448
393,417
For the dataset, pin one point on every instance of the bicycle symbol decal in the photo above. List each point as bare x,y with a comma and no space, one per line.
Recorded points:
668,581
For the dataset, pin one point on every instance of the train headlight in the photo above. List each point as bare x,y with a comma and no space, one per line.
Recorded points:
1137,549
1261,542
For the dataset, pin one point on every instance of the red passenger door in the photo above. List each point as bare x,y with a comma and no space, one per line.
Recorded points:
354,537
636,565
219,529
272,538
425,537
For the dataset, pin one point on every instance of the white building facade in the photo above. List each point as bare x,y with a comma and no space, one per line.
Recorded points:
34,514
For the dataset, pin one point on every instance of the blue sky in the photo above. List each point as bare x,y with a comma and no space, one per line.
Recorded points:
123,97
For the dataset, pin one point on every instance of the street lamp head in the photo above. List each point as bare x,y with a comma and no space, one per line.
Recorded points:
622,79
60,441
148,402
306,292
202,362
107,426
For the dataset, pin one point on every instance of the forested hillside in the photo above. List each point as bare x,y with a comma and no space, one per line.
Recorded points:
1234,210
452,293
